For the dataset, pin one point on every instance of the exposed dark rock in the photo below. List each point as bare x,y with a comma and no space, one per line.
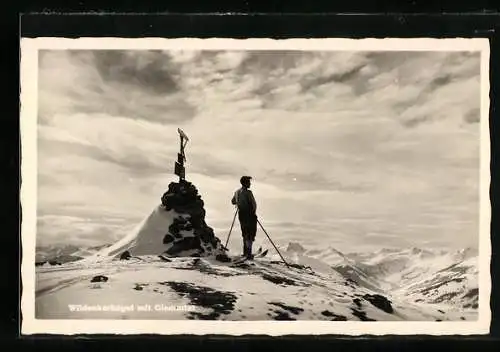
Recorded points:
280,280
184,244
58,259
220,302
207,269
335,317
241,265
125,255
361,315
353,278
350,281
174,229
222,258
439,284
299,266
205,233
357,302
444,297
294,310
183,198
472,293
181,221
99,278
380,302
168,239
280,315
293,265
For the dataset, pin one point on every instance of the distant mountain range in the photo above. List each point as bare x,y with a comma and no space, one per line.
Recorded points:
422,275
59,254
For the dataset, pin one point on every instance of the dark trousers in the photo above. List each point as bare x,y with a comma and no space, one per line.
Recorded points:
247,247
248,223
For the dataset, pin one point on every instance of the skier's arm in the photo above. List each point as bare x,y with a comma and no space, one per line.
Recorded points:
233,200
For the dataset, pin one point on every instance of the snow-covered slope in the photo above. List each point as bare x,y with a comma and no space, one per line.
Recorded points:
456,284
203,288
420,275
337,261
146,238
172,266
438,293
401,267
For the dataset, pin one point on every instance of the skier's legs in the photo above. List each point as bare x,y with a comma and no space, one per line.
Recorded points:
252,231
245,246
243,232
248,230
249,248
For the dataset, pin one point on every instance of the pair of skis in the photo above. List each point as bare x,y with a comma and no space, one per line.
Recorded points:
258,254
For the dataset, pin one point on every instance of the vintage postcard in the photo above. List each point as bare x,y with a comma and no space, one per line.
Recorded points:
220,186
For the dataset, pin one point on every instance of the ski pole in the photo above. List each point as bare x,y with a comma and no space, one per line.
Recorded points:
231,229
284,261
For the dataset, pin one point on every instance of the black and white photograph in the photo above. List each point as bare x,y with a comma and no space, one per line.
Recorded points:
338,184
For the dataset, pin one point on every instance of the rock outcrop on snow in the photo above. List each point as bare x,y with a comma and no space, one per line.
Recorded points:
175,228
188,233
125,255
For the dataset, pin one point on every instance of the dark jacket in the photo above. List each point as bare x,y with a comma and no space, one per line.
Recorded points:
243,198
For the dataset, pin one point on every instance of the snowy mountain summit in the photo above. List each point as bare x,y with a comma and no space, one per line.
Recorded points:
173,266
175,228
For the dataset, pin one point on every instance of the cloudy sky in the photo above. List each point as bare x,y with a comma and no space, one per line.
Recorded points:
347,149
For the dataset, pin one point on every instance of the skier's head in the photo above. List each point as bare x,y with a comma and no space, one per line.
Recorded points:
245,181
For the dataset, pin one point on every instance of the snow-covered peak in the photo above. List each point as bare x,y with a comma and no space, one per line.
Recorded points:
295,247
176,227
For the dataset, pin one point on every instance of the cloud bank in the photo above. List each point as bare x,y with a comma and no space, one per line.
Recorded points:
346,148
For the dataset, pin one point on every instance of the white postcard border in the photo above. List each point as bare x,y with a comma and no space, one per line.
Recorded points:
28,124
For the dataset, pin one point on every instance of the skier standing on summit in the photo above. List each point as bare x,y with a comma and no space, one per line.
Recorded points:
247,214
